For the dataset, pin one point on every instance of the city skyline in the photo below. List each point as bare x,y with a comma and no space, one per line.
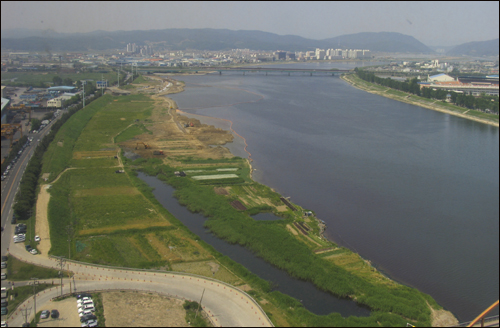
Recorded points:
432,23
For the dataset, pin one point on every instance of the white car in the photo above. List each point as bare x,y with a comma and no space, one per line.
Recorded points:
34,251
37,238
86,306
19,240
83,300
86,312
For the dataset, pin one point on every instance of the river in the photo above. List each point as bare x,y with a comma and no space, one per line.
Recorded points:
413,190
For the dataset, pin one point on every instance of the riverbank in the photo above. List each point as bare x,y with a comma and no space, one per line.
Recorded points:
408,98
343,258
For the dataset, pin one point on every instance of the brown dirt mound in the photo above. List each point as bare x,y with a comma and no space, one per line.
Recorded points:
237,205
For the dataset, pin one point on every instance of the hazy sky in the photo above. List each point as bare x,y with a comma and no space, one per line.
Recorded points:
433,23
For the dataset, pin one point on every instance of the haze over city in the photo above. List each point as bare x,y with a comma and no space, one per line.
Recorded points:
433,23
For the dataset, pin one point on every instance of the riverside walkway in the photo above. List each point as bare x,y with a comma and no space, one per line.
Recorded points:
224,304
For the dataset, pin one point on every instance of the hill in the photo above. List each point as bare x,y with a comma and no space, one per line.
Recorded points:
479,48
203,39
381,41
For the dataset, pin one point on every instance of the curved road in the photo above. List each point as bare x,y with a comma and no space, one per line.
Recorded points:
225,304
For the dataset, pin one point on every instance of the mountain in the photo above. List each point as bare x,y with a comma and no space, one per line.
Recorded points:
381,41
203,39
475,49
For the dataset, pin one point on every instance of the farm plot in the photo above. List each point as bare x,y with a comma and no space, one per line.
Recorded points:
214,177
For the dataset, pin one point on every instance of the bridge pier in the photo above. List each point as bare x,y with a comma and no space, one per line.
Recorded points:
243,73
288,73
311,74
220,72
266,73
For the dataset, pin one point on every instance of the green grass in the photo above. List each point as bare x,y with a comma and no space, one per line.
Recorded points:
140,79
23,293
194,315
131,132
19,271
94,162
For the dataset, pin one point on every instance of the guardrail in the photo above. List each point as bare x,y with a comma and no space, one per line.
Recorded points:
486,320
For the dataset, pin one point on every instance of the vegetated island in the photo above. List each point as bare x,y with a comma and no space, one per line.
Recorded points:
118,221
409,98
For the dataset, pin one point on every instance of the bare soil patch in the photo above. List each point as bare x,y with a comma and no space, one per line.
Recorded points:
220,191
133,309
237,205
68,314
442,318
42,222
93,154
292,230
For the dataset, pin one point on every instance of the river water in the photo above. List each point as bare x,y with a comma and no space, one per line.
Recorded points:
312,298
413,190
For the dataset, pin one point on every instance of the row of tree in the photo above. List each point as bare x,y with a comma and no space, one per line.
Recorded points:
26,196
482,102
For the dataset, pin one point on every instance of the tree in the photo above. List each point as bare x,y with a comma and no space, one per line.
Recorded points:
68,81
57,80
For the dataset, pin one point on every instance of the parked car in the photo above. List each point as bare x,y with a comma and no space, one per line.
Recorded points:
45,314
4,258
88,317
54,314
92,323
4,276
80,296
34,251
4,265
4,310
28,247
5,303
37,238
86,312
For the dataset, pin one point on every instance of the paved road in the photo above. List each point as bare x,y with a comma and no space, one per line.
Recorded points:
226,305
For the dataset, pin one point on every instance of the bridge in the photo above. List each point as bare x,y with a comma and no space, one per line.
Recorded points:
481,320
247,70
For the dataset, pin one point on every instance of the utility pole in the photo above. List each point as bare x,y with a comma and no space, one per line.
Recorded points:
69,230
31,224
84,82
62,260
35,282
199,306
26,314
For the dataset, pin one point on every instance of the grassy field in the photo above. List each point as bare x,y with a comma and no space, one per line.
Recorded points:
114,223
19,271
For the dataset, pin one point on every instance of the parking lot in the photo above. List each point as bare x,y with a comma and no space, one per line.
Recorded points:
68,314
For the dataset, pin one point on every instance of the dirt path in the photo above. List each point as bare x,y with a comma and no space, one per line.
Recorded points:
131,309
42,223
442,318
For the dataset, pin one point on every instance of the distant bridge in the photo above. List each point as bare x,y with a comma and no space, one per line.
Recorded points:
247,70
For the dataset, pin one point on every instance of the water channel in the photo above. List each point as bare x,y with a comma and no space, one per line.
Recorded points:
313,299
